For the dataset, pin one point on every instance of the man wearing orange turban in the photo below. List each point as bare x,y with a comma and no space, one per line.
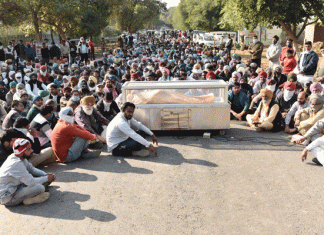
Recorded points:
90,119
266,116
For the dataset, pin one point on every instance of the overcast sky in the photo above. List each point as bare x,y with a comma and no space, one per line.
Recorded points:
171,3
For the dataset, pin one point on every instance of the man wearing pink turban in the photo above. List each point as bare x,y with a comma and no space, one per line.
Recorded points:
316,88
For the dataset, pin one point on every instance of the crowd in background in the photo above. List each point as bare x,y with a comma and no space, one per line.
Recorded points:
65,103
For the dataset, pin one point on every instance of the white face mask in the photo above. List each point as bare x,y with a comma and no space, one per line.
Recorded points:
288,94
146,73
255,40
67,118
88,111
271,87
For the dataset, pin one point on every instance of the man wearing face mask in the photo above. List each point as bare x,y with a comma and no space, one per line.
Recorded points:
301,103
71,141
289,46
107,106
286,99
307,64
90,119
256,49
10,52
273,52
306,118
267,116
278,76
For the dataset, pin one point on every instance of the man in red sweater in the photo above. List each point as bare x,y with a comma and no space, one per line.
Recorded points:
92,49
69,140
289,46
43,74
289,63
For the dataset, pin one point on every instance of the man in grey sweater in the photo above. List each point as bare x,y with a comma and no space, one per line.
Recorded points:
19,180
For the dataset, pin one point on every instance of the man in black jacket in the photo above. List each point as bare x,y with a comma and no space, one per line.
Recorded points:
307,64
23,130
55,51
7,139
108,107
45,54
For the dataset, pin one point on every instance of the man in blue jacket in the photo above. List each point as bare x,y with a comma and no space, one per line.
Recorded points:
239,102
307,64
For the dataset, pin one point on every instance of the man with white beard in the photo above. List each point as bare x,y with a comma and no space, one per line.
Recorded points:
307,64
90,119
265,117
70,141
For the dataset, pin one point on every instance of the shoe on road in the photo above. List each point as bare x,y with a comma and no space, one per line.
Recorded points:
37,199
141,153
315,160
91,154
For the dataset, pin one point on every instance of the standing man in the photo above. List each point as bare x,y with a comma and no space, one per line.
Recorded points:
83,49
103,45
320,69
307,64
20,49
273,52
283,55
30,52
55,52
45,54
19,180
122,139
92,49
256,49
131,40
64,47
73,52
229,45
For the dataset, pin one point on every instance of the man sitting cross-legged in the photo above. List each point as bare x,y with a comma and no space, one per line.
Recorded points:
122,139
70,141
19,180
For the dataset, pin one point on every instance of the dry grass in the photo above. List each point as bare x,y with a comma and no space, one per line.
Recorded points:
245,55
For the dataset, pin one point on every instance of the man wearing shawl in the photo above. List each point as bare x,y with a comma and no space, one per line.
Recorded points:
265,117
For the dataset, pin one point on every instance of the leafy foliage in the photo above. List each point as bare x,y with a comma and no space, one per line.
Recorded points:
134,15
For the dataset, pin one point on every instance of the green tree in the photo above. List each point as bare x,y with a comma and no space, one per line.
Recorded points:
133,15
287,14
199,14
86,17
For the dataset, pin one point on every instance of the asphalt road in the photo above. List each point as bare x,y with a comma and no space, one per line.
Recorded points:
241,183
